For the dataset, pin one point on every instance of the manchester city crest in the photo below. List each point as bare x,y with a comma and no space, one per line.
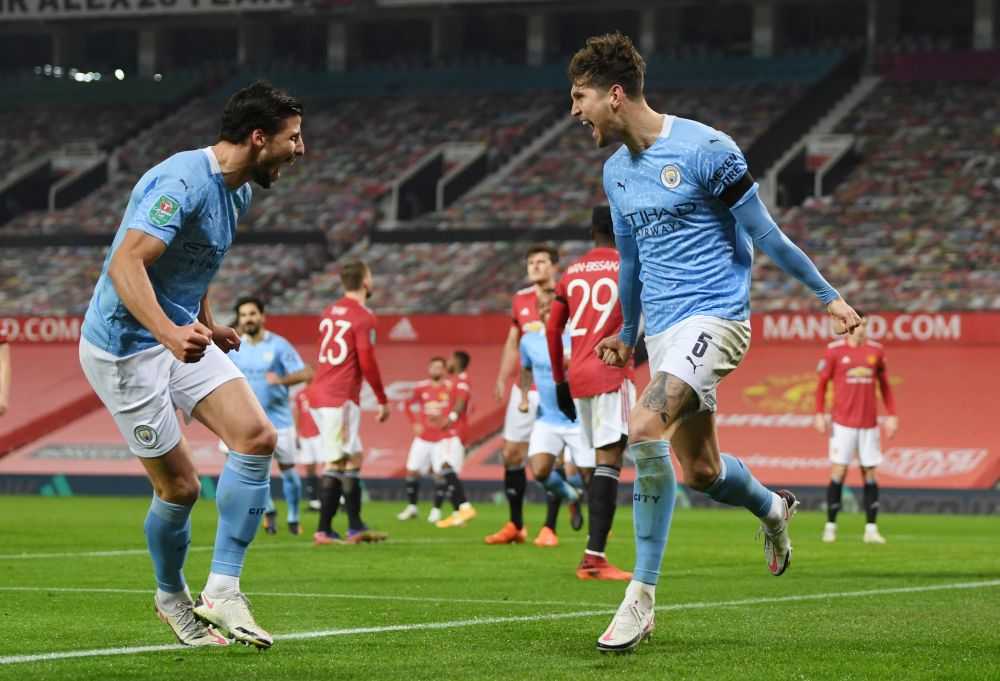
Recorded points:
670,176
145,435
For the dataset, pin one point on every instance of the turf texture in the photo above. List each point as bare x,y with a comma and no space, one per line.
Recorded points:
440,604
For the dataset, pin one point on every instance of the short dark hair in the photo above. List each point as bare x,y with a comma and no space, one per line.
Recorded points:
463,358
543,248
606,60
246,300
437,358
352,273
600,220
260,105
860,313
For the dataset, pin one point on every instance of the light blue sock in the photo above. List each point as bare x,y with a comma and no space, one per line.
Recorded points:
576,480
168,534
653,499
558,486
291,484
241,497
269,508
736,486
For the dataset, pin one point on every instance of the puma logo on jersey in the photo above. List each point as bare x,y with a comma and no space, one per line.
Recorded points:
694,367
621,184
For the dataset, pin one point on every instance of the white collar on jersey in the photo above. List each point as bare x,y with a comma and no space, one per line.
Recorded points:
668,124
212,161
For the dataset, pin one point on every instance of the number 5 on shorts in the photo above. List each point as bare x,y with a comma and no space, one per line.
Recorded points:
701,345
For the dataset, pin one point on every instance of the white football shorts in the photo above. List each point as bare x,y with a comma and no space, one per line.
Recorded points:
419,458
448,452
604,418
845,442
548,438
144,391
284,451
516,424
339,431
701,351
309,451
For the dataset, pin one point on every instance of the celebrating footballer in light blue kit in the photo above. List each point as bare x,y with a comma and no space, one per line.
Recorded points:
184,203
271,365
150,346
686,215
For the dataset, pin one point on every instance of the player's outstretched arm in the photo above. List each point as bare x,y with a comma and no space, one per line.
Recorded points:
526,379
617,350
819,399
127,271
508,359
558,317
302,376
891,423
753,215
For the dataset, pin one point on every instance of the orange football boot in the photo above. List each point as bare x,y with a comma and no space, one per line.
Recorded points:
546,537
595,567
508,534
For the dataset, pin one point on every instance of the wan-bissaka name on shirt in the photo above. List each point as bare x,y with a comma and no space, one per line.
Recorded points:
593,266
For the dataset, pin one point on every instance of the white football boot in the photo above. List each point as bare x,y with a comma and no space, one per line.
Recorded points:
407,513
872,535
231,614
777,543
633,623
434,516
830,532
188,629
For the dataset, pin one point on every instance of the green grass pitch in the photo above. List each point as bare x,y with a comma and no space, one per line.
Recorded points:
439,604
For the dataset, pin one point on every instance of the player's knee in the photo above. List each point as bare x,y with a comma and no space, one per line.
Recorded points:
699,475
540,469
644,427
261,439
513,456
183,490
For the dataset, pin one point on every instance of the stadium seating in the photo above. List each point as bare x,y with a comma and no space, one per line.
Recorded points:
918,217
460,278
353,151
559,184
60,281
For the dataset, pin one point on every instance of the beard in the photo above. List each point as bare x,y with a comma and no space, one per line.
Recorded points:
262,175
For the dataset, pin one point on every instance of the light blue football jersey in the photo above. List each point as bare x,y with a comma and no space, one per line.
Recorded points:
275,354
535,356
184,203
695,258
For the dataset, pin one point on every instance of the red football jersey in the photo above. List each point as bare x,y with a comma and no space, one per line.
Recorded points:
854,371
589,287
429,402
345,328
524,309
307,426
460,389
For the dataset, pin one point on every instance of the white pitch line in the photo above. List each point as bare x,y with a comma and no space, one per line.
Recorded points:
424,626
202,549
267,594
